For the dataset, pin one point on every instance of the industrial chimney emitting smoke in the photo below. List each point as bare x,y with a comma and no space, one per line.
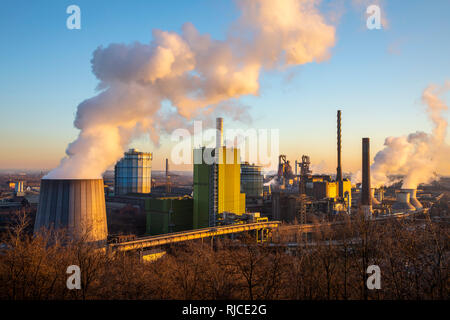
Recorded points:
366,198
339,168
77,205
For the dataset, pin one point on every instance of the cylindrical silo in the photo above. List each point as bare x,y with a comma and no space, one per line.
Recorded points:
77,205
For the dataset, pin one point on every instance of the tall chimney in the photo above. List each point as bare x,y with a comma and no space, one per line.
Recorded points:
167,167
366,199
219,132
168,189
339,146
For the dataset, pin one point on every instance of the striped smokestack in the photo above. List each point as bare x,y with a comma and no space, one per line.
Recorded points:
366,199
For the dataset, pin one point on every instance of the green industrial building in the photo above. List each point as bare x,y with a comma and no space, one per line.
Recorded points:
217,187
168,214
203,190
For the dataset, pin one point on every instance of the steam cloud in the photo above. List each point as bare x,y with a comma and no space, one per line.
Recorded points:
419,155
193,72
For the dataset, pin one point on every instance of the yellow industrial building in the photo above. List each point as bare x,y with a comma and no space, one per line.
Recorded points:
230,198
217,187
322,188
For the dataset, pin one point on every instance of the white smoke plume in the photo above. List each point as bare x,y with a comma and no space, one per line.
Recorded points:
320,168
419,155
190,70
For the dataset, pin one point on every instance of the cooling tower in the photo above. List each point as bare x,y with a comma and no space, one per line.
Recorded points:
375,201
412,198
403,202
76,205
380,195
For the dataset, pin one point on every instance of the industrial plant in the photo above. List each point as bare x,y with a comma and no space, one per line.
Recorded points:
229,229
132,209
237,150
219,219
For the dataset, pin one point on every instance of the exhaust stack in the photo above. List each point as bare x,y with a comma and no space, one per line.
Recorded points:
219,132
168,185
339,147
167,167
366,199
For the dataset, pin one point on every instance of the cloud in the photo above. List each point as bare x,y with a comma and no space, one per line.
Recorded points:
193,72
417,155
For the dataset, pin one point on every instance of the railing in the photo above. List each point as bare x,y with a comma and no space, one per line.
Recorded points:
168,238
152,241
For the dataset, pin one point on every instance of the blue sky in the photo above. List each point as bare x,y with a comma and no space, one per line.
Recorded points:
375,76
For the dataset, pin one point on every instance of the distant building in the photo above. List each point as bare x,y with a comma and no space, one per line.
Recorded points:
18,189
132,173
251,180
322,187
168,214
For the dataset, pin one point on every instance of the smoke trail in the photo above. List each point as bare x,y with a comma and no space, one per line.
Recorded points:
419,155
190,70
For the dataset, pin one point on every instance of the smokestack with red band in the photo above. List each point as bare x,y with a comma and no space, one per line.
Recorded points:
366,199
339,145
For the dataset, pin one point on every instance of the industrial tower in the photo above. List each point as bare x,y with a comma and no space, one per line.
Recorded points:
217,183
